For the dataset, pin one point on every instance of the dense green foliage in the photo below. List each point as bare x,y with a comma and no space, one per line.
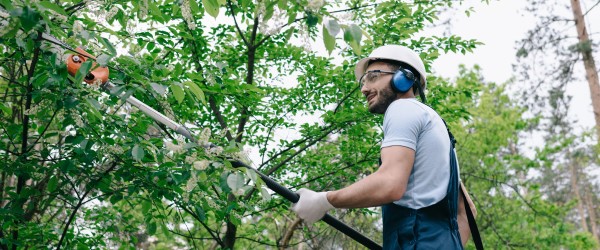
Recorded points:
83,169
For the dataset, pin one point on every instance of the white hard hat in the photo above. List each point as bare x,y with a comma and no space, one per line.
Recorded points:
395,53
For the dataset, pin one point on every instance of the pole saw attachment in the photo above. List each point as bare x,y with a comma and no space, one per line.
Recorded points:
100,74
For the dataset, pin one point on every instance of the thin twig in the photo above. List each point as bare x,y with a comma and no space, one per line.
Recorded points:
236,23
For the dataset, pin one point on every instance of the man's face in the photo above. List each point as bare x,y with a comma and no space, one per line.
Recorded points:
377,89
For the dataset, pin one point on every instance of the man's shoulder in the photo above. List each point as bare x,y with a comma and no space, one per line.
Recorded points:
410,107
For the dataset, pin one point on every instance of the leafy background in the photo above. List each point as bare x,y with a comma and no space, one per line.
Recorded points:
83,169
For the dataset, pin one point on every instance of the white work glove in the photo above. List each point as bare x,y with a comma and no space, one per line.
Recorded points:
311,206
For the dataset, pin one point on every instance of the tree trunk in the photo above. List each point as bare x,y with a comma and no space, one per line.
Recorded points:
592,213
575,188
229,239
588,61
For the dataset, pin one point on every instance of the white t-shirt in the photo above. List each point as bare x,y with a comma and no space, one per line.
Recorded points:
411,124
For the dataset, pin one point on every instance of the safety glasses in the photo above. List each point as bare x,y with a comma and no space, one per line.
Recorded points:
371,76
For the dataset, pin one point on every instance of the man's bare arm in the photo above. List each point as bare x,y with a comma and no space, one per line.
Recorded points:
386,185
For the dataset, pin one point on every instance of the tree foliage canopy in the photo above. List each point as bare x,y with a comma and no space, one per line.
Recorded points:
83,169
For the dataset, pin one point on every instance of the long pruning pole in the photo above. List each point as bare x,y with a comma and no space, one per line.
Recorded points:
75,61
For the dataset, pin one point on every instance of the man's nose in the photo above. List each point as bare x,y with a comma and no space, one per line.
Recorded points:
364,89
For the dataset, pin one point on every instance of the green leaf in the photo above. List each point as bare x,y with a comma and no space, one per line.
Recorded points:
194,6
355,32
353,35
333,27
211,7
253,175
177,92
264,193
328,40
52,183
159,88
146,206
111,49
151,230
5,109
137,152
7,4
282,4
269,10
52,6
103,59
197,91
235,181
29,17
200,212
82,246
83,71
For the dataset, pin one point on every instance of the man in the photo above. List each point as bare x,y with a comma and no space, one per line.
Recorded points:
417,181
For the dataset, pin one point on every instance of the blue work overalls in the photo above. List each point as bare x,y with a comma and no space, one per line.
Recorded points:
433,227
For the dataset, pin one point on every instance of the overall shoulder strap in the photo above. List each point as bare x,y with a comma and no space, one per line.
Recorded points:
472,223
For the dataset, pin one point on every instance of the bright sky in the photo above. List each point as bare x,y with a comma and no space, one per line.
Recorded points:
500,25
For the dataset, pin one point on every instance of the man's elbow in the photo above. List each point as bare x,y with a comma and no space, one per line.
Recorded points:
393,193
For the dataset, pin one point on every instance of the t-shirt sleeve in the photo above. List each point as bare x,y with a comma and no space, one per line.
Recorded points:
402,124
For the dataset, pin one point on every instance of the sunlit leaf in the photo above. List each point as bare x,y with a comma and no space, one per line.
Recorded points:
211,7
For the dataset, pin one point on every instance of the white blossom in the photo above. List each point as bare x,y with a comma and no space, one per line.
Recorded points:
32,110
59,17
215,151
191,184
189,159
204,137
95,85
344,17
211,204
143,9
78,121
186,12
114,149
201,165
315,5
77,27
111,13
239,192
173,147
305,36
274,24
4,14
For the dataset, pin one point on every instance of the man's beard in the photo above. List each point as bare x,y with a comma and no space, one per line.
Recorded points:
385,97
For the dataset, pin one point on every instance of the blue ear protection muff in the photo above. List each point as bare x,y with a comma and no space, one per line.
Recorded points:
403,80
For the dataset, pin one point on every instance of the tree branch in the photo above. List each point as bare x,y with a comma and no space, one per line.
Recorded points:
23,177
304,17
236,23
212,234
284,151
290,232
276,167
591,8
249,80
44,131
75,7
211,100
219,116
92,185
